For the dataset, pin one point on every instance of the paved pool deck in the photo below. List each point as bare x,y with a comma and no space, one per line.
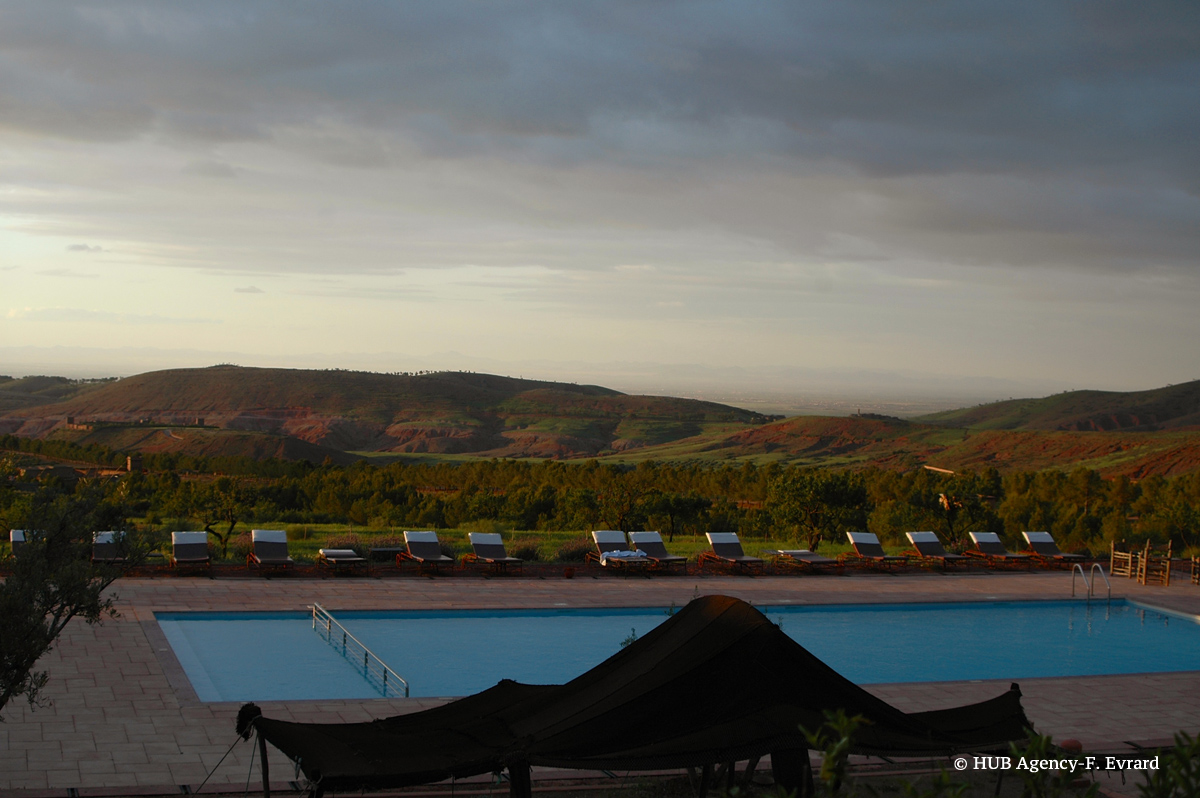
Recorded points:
124,721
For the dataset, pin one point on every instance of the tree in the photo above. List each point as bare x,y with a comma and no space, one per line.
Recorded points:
54,581
226,501
676,510
818,503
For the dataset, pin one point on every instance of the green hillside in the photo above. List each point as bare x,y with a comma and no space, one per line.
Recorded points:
1171,407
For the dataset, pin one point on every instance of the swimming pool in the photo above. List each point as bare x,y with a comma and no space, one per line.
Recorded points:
278,656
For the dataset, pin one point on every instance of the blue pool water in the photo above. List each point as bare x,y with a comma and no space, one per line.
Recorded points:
278,656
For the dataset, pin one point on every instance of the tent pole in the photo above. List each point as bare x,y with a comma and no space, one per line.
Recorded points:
706,775
793,772
520,783
266,772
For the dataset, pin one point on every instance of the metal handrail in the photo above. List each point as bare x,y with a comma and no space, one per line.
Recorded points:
1089,585
372,664
1098,567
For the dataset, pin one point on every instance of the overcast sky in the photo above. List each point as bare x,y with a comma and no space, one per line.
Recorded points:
980,194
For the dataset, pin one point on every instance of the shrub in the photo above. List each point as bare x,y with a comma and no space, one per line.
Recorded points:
574,550
526,550
241,546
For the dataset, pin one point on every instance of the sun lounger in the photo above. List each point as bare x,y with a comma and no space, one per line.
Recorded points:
727,553
106,547
652,544
988,547
425,550
340,558
930,548
488,548
189,549
16,539
613,550
869,551
1044,549
270,549
802,560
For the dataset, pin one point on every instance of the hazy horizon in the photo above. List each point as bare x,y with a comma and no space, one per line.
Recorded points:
818,203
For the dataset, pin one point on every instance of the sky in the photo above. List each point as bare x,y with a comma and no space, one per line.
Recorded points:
912,200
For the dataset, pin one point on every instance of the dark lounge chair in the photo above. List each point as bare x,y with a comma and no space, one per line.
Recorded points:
727,553
930,548
270,549
16,539
107,549
337,559
425,550
613,550
189,549
869,551
988,547
652,544
488,548
802,560
1044,549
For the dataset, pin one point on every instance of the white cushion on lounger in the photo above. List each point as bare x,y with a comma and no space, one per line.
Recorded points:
268,535
339,554
608,536
485,539
105,537
185,538
621,555
421,537
722,537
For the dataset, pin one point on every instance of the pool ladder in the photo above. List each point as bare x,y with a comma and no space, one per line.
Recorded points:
372,665
1090,585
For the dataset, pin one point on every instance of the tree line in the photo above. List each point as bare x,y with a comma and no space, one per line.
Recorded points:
806,506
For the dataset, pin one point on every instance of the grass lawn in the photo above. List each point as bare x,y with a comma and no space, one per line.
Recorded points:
305,540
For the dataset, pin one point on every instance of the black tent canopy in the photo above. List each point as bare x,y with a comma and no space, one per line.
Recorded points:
717,682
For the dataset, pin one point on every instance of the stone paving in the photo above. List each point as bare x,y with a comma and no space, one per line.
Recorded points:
124,720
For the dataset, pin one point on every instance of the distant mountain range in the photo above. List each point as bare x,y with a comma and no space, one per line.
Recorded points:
343,415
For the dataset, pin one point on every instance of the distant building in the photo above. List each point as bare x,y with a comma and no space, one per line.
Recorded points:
133,463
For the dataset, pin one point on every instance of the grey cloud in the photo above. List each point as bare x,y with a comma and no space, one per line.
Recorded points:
250,289
59,315
210,169
83,248
68,273
1026,133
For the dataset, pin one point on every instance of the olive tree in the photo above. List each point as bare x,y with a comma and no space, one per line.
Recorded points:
52,582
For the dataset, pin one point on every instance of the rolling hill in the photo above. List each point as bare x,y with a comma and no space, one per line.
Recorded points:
902,445
1172,407
343,415
251,411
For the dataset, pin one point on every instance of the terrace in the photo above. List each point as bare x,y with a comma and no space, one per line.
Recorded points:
125,720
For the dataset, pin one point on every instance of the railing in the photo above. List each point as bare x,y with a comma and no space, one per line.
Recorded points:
352,647
1090,585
